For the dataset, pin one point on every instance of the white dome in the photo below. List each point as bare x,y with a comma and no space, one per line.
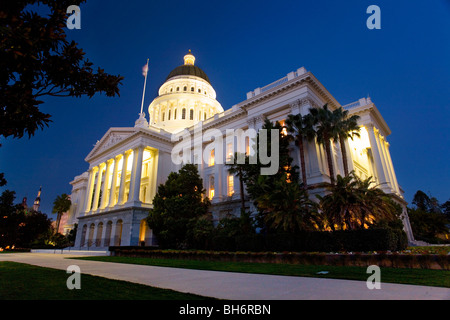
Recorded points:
184,99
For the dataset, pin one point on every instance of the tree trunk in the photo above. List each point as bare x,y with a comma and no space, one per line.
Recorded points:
302,161
329,160
344,155
241,185
58,221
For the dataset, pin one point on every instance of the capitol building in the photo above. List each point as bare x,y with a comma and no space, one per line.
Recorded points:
111,200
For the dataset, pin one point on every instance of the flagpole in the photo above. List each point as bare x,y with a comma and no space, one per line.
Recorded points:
145,84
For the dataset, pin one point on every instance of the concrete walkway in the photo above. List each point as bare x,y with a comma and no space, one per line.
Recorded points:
234,286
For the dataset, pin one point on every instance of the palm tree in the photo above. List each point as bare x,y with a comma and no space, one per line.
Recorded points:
346,127
353,203
61,204
286,206
325,128
301,128
236,168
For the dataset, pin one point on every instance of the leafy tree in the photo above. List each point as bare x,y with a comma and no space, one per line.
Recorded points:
61,204
178,203
37,60
428,219
445,207
301,127
422,201
17,228
200,231
252,172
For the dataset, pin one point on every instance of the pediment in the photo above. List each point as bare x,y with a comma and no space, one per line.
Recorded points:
111,138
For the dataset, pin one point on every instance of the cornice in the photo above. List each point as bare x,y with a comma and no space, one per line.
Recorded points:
306,79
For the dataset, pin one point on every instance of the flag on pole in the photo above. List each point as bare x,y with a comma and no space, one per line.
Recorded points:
144,73
145,69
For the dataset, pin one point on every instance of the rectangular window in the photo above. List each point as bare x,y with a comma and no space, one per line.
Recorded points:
230,185
211,187
211,158
229,151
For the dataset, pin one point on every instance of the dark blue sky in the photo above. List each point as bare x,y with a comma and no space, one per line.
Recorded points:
242,45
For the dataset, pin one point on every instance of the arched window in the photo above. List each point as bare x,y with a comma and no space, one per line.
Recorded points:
185,88
183,114
178,88
83,236
191,114
199,91
163,115
204,116
91,234
98,240
108,234
171,89
168,117
175,114
192,89
118,236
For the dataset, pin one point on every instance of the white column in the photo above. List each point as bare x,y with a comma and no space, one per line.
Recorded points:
97,187
90,188
105,199
385,159
150,174
381,177
394,177
123,177
136,172
114,181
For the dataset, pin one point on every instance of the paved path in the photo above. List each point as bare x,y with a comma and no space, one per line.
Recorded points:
235,286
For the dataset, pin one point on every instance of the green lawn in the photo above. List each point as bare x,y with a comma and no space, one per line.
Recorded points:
426,277
25,282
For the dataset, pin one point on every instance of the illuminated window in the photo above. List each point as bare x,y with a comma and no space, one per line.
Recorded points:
247,146
211,187
230,185
211,158
229,151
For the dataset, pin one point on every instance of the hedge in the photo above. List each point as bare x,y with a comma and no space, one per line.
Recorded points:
315,241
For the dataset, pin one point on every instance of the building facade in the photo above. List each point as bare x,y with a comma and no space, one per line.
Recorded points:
111,200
